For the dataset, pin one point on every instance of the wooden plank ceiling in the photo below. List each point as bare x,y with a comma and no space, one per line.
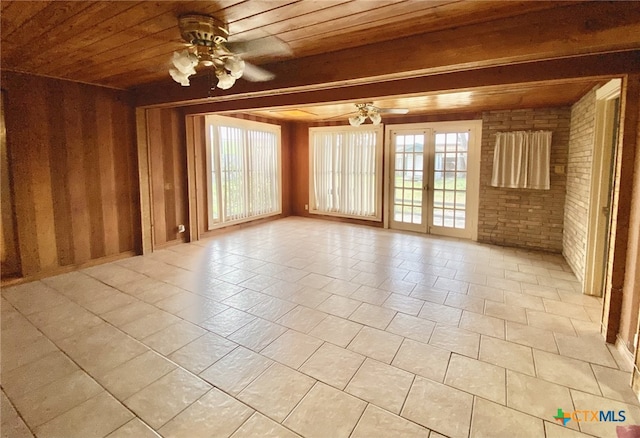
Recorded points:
127,44
476,99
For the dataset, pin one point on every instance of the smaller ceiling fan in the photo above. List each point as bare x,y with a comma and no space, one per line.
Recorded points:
369,110
207,38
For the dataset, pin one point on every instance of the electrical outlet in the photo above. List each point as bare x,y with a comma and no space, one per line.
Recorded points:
306,206
181,228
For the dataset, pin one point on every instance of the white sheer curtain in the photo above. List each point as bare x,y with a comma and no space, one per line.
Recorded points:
521,160
243,170
344,172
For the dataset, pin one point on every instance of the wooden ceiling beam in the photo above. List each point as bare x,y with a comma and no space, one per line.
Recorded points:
586,29
551,71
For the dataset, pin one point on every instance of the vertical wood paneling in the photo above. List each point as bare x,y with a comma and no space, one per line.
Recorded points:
168,170
156,170
195,141
144,180
285,160
200,143
108,196
179,172
25,210
126,176
9,257
92,172
300,171
39,155
61,205
77,191
622,205
72,160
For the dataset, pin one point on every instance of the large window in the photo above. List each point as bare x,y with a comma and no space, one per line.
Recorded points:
345,171
243,170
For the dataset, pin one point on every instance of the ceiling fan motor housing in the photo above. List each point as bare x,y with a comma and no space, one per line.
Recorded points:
203,30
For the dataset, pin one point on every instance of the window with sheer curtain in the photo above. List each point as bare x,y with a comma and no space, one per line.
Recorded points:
345,171
243,170
521,160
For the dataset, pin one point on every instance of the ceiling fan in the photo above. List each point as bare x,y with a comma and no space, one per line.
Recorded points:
369,110
208,45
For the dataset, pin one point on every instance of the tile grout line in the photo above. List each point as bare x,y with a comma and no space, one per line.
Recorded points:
87,373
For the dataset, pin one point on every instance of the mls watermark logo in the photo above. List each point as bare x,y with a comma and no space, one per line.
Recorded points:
590,416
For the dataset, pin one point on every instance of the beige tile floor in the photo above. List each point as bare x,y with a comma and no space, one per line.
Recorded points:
302,327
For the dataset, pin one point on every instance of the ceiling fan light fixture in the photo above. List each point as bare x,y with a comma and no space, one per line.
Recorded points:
179,77
375,117
357,120
225,80
235,66
207,38
184,62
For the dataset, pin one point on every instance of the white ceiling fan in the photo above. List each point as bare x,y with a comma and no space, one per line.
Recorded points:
208,45
372,112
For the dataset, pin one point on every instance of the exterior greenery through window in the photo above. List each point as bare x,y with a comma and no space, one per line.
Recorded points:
243,170
345,176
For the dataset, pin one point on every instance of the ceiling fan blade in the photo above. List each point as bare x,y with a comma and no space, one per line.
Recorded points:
253,73
266,46
393,110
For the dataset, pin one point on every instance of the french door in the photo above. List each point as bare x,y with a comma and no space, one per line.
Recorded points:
433,177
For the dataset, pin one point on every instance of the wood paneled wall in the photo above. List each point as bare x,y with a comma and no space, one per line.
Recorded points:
72,161
168,175
9,256
622,299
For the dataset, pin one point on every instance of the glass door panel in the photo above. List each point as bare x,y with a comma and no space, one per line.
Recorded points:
408,183
448,209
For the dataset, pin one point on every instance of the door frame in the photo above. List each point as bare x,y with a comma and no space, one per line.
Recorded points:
474,126
390,172
601,190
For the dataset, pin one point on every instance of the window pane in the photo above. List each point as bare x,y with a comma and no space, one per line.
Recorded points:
448,218
461,200
397,198
417,180
408,161
437,217
399,162
450,180
438,162
449,199
418,162
417,215
406,214
438,180
440,142
397,213
438,198
460,219
408,179
417,197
